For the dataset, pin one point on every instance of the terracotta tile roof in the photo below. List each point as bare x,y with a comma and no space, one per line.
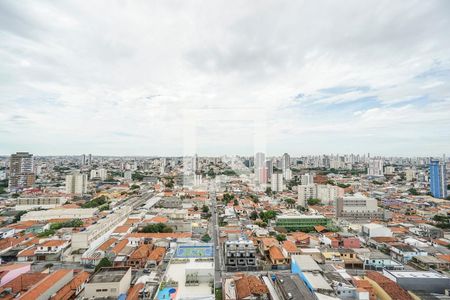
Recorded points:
23,282
107,244
319,228
68,291
27,252
176,235
289,246
300,236
444,257
250,285
42,286
53,243
157,254
269,242
22,225
132,221
122,229
389,286
384,239
141,252
119,246
275,253
159,219
12,266
133,292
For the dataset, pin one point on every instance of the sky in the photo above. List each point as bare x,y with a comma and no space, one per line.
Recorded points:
219,77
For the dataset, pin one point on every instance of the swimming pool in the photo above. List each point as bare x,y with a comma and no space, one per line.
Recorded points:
167,293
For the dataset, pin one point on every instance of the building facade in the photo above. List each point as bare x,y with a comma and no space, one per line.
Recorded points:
21,171
438,179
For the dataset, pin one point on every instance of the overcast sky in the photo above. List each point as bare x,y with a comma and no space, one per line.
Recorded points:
169,77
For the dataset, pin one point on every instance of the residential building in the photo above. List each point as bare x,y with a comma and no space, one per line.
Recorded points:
76,183
375,167
372,230
21,171
431,282
240,254
101,174
307,179
57,213
438,179
44,202
48,286
108,282
277,182
306,192
357,206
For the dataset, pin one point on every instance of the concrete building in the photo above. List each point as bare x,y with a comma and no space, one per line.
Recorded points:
101,174
128,175
76,184
357,206
44,202
431,282
301,222
21,171
83,239
376,230
108,282
67,213
306,192
375,167
307,179
240,254
277,182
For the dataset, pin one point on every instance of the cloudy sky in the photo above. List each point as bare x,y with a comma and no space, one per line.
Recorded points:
213,77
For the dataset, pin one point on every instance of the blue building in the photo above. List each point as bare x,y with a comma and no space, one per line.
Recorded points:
438,179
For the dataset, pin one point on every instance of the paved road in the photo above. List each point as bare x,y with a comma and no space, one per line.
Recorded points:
215,236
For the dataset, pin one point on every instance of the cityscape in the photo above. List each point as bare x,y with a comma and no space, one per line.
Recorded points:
219,150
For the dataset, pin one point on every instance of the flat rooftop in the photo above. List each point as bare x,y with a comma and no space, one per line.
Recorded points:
292,284
195,251
416,274
109,275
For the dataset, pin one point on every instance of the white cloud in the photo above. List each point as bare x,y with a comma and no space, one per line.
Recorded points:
117,77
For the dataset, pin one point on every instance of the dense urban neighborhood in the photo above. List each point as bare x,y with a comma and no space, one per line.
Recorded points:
227,228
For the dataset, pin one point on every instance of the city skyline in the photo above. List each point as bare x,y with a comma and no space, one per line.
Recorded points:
300,77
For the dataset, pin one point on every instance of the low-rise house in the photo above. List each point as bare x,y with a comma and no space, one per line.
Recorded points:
431,262
48,286
72,289
276,256
9,272
108,282
378,261
404,253
20,285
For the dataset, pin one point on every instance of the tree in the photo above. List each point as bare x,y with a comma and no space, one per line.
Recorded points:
135,187
235,202
196,208
280,237
206,238
205,209
228,197
254,198
155,228
313,201
18,215
254,215
267,215
103,263
413,191
290,202
268,191
99,201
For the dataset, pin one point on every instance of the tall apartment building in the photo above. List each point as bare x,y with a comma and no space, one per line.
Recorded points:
307,179
375,167
277,182
76,183
438,178
269,166
99,173
260,168
21,171
240,254
357,206
306,192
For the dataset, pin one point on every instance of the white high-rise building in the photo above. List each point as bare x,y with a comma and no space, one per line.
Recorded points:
285,162
389,170
287,174
162,167
198,179
307,179
277,182
375,167
76,183
306,192
260,168
99,173
410,174
328,194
